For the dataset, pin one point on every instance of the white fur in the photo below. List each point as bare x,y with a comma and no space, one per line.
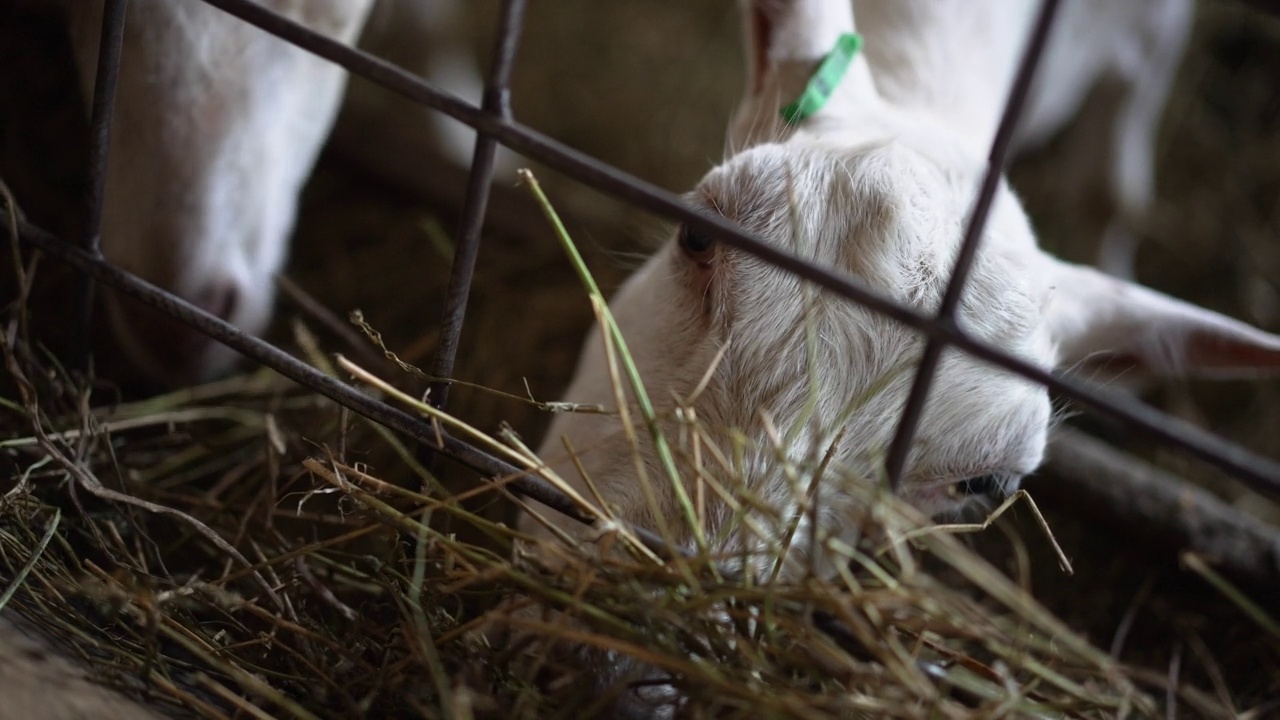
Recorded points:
877,185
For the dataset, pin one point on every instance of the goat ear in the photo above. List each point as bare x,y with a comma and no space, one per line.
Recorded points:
1105,323
785,41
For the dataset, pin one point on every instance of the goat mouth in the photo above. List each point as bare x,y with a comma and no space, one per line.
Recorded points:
639,691
650,699
166,351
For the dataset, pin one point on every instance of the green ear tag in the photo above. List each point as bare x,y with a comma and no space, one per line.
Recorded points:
824,81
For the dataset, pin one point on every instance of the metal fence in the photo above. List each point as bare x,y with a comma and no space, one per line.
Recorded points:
495,125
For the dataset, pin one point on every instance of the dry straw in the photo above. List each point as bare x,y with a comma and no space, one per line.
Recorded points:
248,549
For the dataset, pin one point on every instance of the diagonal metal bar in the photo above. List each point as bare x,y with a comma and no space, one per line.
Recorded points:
342,393
896,460
110,43
563,158
1258,472
568,160
497,101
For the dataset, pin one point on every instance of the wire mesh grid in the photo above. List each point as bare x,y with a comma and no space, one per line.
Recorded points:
495,124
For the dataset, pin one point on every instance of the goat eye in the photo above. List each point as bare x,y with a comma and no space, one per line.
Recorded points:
696,244
989,486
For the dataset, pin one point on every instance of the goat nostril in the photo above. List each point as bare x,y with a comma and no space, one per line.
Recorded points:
219,300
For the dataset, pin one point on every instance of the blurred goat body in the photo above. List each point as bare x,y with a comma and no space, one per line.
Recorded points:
878,184
217,126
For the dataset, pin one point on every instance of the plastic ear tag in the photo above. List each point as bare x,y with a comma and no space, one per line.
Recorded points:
825,80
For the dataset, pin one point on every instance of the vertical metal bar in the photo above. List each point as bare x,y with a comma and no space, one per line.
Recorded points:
110,42
497,101
910,421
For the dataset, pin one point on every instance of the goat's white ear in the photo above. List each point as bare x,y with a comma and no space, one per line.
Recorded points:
785,42
1099,321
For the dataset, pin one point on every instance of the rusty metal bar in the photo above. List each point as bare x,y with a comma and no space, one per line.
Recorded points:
265,353
497,101
110,43
896,460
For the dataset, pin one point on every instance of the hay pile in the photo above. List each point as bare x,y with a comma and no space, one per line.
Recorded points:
214,550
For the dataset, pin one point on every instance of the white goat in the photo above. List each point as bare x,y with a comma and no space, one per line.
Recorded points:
216,128
878,184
